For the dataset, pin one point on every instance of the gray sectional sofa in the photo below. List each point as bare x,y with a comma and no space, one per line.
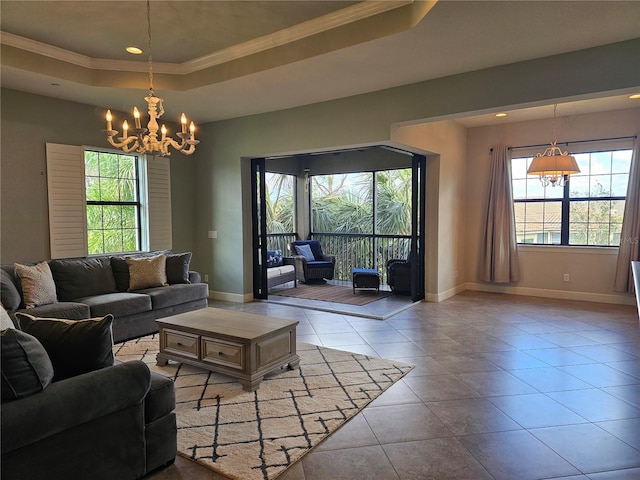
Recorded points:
96,286
70,411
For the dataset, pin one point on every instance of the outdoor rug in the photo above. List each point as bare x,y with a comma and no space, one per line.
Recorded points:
257,435
333,293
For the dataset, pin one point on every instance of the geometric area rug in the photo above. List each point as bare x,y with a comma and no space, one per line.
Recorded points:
258,435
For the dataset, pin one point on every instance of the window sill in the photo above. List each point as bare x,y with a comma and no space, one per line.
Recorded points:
568,249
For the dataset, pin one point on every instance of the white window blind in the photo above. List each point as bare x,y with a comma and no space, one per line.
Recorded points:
159,197
67,207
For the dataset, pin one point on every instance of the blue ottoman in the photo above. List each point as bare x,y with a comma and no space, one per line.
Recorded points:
365,278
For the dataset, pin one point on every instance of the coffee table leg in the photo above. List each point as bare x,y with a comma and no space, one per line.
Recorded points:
251,385
161,361
294,364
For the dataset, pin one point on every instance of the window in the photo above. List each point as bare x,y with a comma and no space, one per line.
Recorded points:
281,207
72,179
113,202
587,211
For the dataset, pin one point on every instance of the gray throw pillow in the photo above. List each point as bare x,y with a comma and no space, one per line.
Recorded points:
178,267
26,368
74,346
37,284
305,251
9,294
5,319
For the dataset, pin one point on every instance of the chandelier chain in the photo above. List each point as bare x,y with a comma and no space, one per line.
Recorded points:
149,37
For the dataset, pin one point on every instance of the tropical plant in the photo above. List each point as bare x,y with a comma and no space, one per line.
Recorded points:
112,225
280,202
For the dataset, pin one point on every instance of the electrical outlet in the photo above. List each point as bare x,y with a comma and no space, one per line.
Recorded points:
566,277
212,234
206,277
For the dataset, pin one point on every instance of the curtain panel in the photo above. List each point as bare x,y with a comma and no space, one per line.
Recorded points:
630,236
499,255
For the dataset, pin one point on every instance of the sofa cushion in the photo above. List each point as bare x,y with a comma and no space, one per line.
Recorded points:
82,277
279,271
119,304
74,346
147,272
319,264
162,297
274,258
178,267
9,294
66,310
37,284
305,251
26,367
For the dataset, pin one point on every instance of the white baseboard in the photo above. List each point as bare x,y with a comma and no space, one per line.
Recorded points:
441,296
614,298
231,297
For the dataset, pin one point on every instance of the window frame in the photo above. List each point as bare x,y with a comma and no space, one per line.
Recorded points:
566,200
138,204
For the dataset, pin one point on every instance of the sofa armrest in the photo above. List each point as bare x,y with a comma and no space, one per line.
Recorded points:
327,257
194,277
72,402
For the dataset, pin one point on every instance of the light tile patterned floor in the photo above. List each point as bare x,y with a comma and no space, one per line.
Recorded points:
505,387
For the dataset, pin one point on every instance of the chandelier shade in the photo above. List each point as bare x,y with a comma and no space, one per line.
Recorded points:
553,166
145,140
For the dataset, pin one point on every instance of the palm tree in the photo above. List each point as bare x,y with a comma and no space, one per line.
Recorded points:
111,177
344,204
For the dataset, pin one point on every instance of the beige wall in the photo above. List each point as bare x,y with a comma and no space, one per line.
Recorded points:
445,197
591,270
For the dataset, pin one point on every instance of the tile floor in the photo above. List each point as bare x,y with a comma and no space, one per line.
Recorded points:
505,387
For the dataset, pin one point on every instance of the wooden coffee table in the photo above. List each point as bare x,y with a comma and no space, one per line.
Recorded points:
242,345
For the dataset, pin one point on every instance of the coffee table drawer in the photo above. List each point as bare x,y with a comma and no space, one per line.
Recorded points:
221,352
181,343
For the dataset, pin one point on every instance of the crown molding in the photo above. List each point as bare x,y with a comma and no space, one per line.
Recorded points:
345,16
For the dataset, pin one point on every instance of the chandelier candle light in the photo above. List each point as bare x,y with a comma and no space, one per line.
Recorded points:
553,166
145,140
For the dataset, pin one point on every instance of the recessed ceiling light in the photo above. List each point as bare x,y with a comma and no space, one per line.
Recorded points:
134,50
502,114
635,96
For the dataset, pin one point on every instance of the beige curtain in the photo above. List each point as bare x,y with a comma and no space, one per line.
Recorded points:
499,255
630,237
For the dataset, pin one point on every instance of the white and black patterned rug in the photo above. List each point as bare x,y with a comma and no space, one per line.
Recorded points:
257,435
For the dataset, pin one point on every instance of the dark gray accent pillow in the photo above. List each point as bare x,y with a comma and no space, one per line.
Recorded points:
178,267
9,294
82,277
120,273
74,346
26,367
